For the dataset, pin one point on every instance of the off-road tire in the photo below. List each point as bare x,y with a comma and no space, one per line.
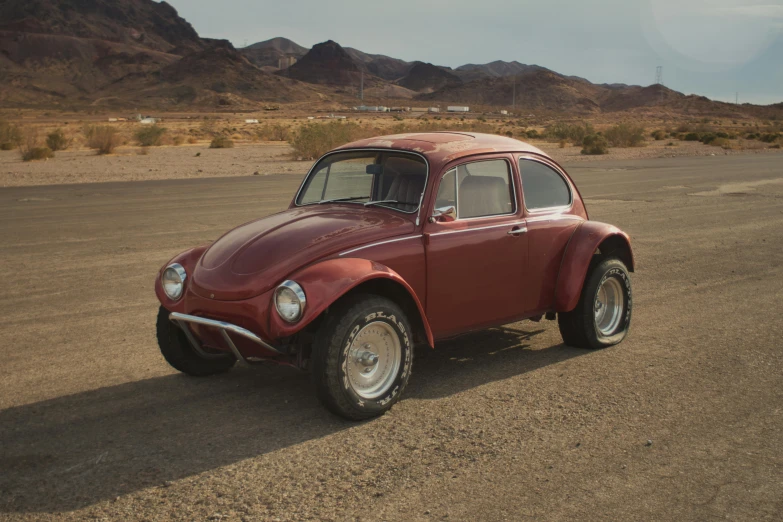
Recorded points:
331,348
578,326
180,354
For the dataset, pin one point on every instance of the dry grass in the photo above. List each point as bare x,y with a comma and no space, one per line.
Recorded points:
150,135
30,149
221,142
102,138
56,140
10,136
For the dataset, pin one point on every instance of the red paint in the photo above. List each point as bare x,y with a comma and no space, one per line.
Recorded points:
462,275
584,242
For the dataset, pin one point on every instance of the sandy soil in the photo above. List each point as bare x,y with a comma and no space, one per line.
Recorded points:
261,158
682,421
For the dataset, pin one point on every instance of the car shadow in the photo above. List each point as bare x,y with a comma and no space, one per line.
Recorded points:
74,451
477,358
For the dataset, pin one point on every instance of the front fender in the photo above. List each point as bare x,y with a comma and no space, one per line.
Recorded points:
325,282
578,255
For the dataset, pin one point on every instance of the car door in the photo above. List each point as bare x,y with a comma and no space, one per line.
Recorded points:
548,199
476,247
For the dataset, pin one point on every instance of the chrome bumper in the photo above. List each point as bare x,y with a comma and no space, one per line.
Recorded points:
181,320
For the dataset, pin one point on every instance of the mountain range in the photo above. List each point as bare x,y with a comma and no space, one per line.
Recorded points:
131,53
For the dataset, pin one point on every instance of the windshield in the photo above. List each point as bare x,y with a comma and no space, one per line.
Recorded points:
388,179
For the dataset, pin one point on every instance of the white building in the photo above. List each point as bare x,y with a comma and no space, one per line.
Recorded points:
457,108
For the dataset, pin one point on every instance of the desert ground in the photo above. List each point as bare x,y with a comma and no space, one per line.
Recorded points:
682,421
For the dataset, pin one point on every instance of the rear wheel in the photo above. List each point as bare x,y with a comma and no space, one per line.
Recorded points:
181,355
362,357
603,315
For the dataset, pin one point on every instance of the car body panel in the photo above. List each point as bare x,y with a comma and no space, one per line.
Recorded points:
325,282
579,253
256,256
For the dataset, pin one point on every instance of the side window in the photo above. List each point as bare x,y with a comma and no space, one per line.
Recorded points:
484,188
543,186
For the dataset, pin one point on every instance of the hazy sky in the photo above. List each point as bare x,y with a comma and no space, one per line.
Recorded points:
709,47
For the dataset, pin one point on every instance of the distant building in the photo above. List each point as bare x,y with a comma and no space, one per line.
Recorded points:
504,112
149,121
251,121
457,108
433,109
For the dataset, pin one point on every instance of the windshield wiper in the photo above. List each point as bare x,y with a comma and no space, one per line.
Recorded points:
370,203
335,200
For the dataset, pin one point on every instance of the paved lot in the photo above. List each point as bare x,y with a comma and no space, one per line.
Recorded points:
505,424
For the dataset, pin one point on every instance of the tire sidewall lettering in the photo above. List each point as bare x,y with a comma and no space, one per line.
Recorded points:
405,367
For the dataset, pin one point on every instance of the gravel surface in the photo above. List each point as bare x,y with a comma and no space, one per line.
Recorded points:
682,421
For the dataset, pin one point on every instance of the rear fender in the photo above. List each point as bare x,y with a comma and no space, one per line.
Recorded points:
584,243
326,282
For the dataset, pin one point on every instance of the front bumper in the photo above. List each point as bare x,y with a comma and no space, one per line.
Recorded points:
224,328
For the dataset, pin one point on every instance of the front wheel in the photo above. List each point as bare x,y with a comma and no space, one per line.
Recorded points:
362,357
603,315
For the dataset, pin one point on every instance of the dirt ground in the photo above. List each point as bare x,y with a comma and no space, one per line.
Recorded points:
682,421
260,158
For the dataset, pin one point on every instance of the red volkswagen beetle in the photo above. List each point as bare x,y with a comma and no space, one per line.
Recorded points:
390,242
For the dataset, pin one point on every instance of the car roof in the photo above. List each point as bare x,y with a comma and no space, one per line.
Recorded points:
443,147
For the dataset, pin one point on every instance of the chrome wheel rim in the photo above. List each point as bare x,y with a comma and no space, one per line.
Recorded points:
373,360
609,305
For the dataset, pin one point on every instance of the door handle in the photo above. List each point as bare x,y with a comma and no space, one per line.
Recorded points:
517,231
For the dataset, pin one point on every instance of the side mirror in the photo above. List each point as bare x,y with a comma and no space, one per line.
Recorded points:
444,214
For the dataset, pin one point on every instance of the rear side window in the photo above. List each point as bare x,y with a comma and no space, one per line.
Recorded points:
478,189
543,186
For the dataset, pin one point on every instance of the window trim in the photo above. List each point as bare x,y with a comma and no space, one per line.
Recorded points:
565,179
510,168
417,211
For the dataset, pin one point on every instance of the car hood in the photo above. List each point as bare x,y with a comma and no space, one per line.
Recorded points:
258,255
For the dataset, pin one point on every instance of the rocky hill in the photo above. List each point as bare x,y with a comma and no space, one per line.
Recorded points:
138,23
425,77
326,63
379,65
269,52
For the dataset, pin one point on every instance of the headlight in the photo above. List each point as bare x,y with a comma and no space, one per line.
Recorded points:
173,281
290,301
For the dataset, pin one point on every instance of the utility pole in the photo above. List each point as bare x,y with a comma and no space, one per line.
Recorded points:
659,80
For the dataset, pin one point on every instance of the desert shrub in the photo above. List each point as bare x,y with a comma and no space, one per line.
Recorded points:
595,144
221,142
574,133
532,134
720,142
671,144
691,136
150,135
722,134
775,146
769,137
31,150
192,140
562,144
103,138
625,135
315,139
658,135
177,140
685,128
708,138
37,153
10,136
56,140
274,132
